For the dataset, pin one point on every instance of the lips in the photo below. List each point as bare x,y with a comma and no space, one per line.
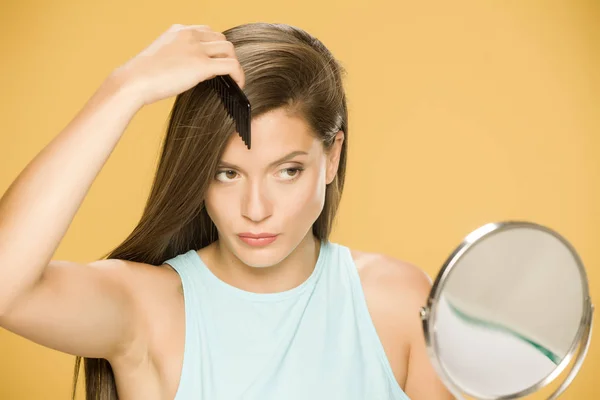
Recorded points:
257,235
258,239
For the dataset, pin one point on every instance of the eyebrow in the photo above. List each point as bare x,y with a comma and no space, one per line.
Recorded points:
279,161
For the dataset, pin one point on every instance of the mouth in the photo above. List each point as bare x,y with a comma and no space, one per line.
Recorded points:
258,239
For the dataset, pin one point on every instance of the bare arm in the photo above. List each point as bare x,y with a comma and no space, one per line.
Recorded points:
35,213
422,381
90,310
80,309
38,207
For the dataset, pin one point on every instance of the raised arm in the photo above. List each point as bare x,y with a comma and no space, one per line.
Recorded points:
90,310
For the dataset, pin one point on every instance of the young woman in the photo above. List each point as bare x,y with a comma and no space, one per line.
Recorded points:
228,288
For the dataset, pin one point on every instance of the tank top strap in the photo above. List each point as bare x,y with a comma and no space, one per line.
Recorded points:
189,384
181,263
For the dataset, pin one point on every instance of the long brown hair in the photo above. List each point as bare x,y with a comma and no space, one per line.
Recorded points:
284,67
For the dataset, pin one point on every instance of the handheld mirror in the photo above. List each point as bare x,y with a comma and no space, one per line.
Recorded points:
508,311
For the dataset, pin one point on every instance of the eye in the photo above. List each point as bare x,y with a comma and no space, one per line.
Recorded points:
291,173
228,175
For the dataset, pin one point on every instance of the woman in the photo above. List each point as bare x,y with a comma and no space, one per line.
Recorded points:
228,287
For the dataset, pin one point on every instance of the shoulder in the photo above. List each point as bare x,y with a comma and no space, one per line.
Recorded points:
392,278
395,291
139,279
153,291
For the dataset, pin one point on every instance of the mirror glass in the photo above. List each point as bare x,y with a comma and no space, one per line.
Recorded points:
509,311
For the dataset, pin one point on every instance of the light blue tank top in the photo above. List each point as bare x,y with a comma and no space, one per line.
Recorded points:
315,341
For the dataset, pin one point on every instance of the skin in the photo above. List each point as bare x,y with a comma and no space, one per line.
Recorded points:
138,318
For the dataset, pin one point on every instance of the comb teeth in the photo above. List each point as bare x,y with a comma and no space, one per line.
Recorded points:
235,103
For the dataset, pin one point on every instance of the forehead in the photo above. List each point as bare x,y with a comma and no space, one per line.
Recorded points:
274,134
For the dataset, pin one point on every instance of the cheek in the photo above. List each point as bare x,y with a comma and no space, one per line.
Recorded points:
305,201
217,203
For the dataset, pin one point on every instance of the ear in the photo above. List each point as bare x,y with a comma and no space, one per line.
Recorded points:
333,157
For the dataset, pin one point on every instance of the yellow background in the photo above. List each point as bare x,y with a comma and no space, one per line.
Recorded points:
461,113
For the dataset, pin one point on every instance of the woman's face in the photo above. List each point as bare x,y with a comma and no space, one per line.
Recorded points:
276,188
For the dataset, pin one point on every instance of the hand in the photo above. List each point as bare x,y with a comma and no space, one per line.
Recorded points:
178,60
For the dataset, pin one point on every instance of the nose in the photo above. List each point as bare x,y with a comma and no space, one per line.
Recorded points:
256,206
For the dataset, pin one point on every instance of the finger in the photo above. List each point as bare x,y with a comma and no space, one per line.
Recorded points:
229,66
220,48
205,32
208,36
178,27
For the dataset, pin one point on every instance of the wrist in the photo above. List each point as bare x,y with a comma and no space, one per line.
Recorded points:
118,84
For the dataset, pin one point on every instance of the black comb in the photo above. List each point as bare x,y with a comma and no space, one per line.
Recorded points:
235,102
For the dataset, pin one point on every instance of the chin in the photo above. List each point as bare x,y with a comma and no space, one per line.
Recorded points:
260,256
259,260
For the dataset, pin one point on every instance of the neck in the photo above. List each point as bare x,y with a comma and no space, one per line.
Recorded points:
285,275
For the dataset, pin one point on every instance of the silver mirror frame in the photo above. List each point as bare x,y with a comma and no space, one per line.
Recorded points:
578,348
